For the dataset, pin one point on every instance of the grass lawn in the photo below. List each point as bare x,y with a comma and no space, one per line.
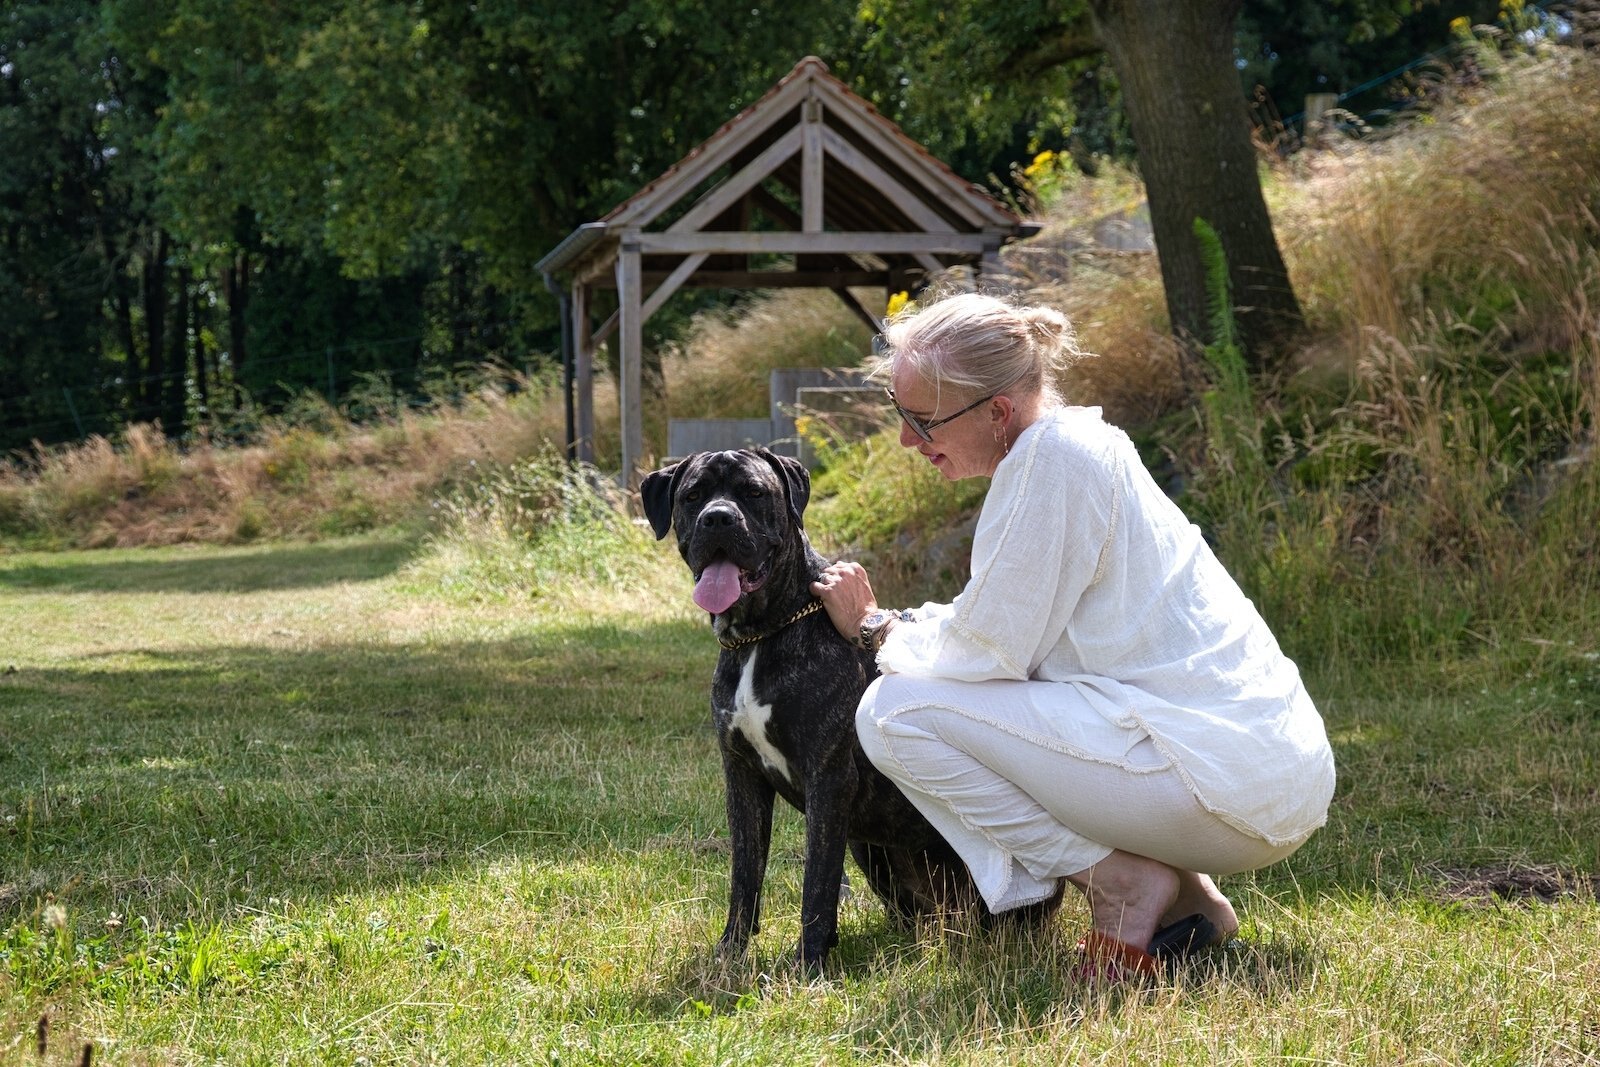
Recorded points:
290,804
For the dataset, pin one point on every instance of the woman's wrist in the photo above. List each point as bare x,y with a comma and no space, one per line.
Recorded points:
875,625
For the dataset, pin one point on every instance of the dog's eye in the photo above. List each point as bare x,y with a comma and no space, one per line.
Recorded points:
692,495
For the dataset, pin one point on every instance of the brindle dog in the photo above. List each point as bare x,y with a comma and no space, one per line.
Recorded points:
784,700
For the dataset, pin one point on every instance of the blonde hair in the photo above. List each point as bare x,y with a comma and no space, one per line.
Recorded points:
980,343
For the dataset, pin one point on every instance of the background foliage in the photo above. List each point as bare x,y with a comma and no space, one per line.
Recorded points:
208,208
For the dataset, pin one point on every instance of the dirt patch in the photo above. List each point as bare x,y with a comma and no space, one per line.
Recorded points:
1519,883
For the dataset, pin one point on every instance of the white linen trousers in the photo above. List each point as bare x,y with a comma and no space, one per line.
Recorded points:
1028,792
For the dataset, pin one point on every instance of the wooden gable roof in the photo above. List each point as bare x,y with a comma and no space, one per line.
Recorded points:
811,160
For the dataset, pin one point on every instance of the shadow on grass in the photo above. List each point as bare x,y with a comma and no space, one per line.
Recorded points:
226,775
928,992
238,570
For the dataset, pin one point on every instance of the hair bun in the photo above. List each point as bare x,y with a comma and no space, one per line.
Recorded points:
1052,335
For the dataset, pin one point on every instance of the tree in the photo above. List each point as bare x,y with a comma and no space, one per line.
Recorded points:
50,265
1291,48
1180,87
97,303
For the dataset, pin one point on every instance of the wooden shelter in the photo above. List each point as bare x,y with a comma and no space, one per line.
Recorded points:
809,186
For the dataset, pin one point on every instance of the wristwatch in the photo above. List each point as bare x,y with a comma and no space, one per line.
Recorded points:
875,627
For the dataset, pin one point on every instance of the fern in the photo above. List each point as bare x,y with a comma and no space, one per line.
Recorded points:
1232,429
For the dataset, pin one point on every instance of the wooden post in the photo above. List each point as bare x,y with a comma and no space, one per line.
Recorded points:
583,371
630,341
1316,121
988,268
811,166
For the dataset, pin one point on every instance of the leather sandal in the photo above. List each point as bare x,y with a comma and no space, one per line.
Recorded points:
1183,938
1107,960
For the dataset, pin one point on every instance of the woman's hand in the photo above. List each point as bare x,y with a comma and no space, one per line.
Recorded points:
846,593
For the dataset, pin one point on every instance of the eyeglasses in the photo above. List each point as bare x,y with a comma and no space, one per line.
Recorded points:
925,430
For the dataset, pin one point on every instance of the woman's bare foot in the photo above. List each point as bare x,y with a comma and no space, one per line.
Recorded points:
1128,895
1198,893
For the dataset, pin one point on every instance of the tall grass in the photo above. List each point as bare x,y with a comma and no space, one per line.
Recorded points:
314,473
721,367
540,529
1433,450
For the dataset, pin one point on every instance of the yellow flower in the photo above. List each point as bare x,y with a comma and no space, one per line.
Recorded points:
1041,163
898,303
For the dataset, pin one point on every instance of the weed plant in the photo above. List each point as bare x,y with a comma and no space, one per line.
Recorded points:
1433,475
537,526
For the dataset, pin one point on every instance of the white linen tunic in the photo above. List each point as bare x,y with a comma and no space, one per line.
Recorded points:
1094,590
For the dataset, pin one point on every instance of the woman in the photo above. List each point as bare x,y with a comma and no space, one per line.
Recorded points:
1101,702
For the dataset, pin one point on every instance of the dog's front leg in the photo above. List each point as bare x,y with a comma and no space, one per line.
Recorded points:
829,798
750,799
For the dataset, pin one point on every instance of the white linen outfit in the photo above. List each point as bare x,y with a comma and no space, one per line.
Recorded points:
1101,682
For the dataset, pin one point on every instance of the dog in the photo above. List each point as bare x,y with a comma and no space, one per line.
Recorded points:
784,698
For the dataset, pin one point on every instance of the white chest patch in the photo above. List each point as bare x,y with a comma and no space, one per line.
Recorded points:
750,717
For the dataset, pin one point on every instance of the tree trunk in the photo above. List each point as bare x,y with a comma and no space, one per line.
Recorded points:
236,291
1188,115
151,393
174,418
202,379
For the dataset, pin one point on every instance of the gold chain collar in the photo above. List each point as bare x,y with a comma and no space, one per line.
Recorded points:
810,609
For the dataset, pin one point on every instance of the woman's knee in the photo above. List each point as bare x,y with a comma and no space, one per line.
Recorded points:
889,698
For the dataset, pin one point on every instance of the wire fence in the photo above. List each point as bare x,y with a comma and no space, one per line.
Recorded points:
114,402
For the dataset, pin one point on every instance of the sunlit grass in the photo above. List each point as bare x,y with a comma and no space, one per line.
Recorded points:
292,805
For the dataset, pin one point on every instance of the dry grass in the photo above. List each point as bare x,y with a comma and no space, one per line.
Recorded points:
721,368
1484,200
292,480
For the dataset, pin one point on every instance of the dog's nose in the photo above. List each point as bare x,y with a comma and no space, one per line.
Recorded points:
715,517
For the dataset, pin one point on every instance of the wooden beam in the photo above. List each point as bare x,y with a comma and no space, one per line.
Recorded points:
724,195
630,340
714,153
780,243
811,159
670,284
904,200
862,313
583,372
778,279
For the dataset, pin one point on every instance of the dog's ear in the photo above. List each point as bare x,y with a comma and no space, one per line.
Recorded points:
656,493
796,482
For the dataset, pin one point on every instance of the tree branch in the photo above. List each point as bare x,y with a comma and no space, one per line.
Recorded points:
1076,40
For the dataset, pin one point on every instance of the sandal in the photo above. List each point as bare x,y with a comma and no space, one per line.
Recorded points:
1183,938
1109,961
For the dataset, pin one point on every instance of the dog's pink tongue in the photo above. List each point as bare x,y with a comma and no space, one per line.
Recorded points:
718,587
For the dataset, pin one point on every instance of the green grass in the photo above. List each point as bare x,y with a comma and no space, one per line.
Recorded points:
294,804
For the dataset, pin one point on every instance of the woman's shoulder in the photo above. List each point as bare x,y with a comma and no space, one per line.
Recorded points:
1077,430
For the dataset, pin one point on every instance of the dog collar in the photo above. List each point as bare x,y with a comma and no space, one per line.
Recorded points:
810,609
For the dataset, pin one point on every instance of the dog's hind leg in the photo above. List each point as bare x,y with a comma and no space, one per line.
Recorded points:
828,800
750,800
878,864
